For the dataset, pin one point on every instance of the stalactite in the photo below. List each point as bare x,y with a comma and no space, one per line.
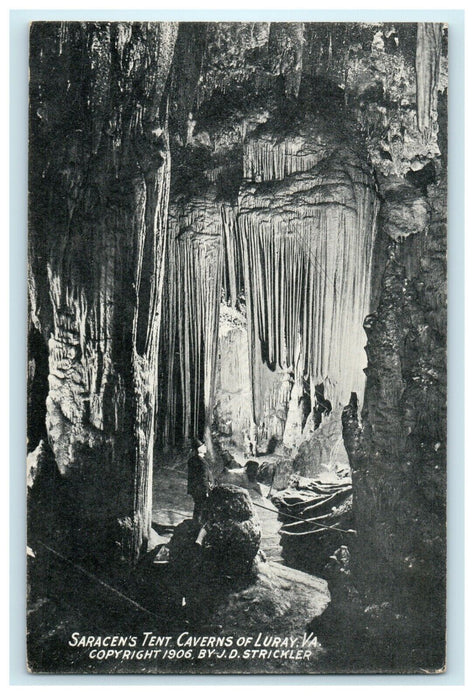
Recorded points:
285,46
269,158
428,53
195,258
232,282
273,156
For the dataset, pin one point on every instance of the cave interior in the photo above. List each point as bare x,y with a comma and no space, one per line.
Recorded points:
237,233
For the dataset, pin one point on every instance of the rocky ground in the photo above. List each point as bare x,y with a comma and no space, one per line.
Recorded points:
262,615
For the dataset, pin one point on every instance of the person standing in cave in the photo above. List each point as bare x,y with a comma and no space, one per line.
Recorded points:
200,479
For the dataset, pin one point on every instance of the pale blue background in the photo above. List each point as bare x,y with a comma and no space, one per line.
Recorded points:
19,20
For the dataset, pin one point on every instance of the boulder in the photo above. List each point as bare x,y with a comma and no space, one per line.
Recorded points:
233,531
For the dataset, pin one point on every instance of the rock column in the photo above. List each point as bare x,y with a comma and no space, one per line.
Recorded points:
99,179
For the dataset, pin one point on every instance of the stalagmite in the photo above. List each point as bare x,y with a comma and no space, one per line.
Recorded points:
237,232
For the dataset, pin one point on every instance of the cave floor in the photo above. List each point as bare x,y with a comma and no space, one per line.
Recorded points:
172,505
65,598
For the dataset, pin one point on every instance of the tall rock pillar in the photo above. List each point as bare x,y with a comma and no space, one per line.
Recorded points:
99,178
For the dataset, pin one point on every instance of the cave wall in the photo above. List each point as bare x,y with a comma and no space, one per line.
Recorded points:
396,436
99,182
396,442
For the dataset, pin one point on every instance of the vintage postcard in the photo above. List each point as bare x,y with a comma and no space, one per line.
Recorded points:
237,347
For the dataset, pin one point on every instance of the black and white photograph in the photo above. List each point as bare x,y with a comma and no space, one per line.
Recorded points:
237,347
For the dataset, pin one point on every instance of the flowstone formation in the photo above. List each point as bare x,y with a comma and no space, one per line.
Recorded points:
396,442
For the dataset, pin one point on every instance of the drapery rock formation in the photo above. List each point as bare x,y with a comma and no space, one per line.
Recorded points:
299,242
286,213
